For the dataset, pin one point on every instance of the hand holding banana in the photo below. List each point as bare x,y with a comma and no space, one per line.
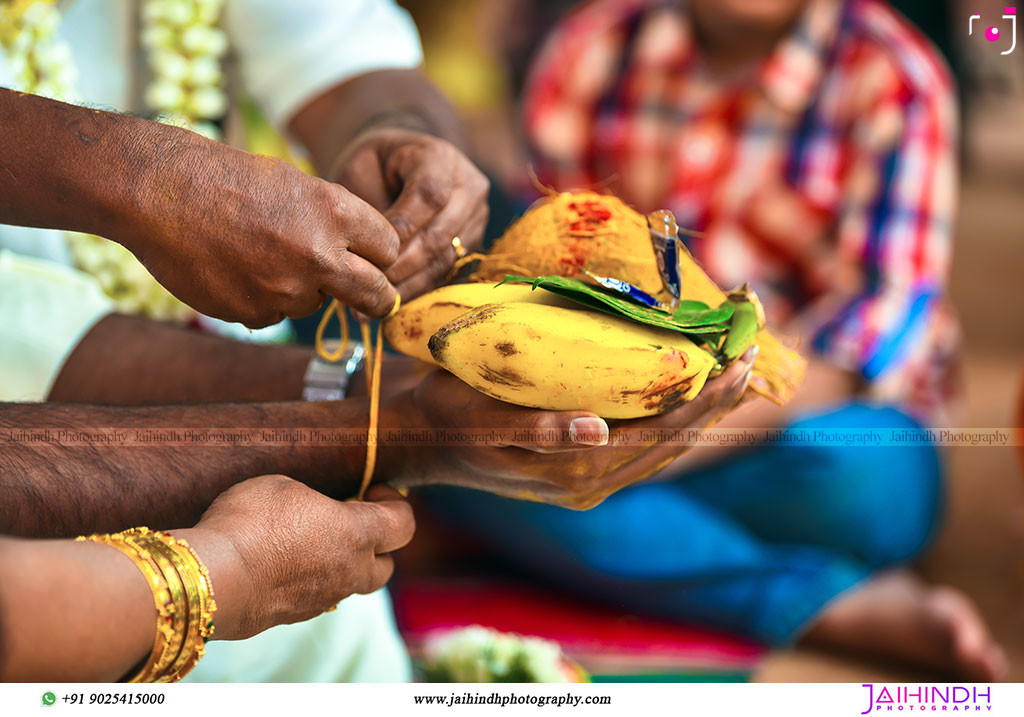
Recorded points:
604,332
594,458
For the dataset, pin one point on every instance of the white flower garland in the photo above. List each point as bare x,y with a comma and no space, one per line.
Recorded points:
184,47
37,58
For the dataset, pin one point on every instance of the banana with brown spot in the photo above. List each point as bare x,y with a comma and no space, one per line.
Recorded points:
560,358
409,330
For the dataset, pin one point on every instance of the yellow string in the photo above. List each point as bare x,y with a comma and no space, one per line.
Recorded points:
374,360
368,358
371,434
334,309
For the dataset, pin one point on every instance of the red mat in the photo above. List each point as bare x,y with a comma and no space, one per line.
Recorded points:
606,642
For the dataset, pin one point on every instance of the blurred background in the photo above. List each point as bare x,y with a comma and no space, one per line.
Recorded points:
478,52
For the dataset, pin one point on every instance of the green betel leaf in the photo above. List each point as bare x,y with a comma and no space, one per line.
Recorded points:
690,317
691,305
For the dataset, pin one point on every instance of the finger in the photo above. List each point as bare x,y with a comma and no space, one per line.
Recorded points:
431,247
437,271
362,175
426,190
364,230
389,521
558,431
383,569
728,387
361,285
447,401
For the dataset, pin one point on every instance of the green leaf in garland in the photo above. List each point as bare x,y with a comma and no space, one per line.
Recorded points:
690,317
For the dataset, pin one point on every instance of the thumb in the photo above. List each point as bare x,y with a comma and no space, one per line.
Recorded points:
360,173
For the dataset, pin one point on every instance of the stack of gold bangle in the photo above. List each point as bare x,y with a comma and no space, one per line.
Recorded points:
182,594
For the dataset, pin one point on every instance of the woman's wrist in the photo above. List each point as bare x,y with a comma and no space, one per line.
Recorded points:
232,583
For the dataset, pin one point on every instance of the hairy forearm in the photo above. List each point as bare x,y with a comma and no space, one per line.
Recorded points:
125,360
70,167
152,466
402,98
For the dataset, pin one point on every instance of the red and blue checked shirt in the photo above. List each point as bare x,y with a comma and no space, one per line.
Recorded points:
826,175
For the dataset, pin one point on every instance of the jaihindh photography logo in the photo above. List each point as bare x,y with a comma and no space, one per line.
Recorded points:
994,33
927,698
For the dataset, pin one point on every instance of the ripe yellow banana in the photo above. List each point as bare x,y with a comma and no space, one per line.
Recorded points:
558,358
409,330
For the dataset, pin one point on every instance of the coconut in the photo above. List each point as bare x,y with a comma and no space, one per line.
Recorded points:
577,234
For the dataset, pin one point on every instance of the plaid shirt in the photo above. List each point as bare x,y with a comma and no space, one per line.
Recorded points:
826,175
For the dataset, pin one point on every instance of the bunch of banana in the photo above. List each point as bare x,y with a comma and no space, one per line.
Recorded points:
537,347
532,347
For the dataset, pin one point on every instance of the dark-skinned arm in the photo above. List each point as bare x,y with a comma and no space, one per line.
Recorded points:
73,485
393,140
403,99
131,361
234,235
277,552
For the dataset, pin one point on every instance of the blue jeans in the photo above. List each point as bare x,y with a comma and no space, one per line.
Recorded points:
755,544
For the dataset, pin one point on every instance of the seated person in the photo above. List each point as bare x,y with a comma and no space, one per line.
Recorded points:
812,144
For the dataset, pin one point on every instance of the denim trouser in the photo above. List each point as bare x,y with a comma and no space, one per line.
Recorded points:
755,544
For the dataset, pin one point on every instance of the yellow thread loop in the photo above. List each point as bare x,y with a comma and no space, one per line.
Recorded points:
333,309
374,359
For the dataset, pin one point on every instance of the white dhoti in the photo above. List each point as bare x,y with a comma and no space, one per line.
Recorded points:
357,642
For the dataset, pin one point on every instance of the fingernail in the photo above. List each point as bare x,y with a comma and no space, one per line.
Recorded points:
750,354
743,377
588,431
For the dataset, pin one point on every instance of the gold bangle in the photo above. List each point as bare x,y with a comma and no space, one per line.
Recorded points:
206,583
163,600
191,635
183,596
201,604
144,542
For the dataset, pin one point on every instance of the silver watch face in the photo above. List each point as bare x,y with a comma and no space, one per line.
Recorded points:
328,381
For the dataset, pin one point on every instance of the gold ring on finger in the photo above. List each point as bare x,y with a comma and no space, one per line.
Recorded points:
460,251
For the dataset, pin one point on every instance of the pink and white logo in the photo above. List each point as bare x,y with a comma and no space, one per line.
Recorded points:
993,34
928,698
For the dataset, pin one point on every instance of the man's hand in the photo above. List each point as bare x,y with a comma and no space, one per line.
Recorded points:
234,235
253,239
296,552
429,191
576,471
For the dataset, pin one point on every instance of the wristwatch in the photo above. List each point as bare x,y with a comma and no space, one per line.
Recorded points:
327,381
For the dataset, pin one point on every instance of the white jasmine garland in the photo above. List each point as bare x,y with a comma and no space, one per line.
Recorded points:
37,57
183,47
